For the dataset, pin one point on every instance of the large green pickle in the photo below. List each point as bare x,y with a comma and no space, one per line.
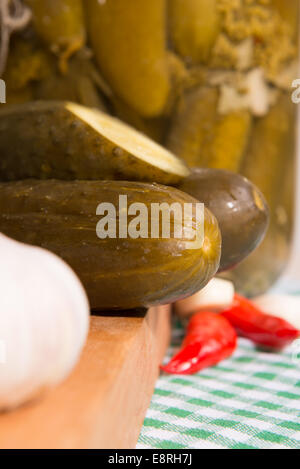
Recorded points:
129,42
118,273
194,26
60,23
67,141
240,208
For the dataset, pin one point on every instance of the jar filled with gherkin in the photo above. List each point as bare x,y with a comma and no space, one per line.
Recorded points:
210,80
241,117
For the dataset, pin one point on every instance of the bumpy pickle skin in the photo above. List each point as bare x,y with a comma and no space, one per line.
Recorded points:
192,124
60,24
264,163
62,140
117,273
231,137
129,42
194,26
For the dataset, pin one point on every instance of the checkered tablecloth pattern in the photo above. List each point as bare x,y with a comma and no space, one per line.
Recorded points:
251,400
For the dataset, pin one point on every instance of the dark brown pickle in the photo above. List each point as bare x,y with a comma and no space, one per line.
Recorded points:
239,207
116,273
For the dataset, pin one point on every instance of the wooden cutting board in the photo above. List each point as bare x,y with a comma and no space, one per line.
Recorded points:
104,401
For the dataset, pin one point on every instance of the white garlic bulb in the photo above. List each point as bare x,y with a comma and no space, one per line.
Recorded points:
44,320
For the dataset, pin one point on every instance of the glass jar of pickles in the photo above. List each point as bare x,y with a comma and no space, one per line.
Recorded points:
242,118
208,79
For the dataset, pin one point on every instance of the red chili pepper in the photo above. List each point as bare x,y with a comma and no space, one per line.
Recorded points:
263,329
210,339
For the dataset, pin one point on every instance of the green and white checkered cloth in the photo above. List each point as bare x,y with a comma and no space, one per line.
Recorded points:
251,400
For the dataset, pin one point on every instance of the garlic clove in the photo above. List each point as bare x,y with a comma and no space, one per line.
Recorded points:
216,296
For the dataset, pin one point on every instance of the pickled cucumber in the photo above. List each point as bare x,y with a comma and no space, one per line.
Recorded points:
60,24
154,128
193,124
231,136
265,163
239,207
129,42
57,87
202,137
67,141
289,11
118,273
81,83
27,63
194,26
19,96
259,272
